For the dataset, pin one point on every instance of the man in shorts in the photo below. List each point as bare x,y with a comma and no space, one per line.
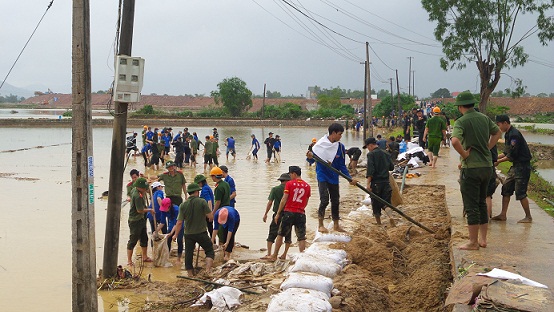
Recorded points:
517,151
137,221
274,200
292,206
230,143
208,152
435,132
379,163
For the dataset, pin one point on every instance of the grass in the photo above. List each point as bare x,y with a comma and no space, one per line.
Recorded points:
534,129
537,190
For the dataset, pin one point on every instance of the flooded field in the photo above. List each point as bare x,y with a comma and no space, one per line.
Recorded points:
35,230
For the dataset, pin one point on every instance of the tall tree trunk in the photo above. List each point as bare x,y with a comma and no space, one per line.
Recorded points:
486,71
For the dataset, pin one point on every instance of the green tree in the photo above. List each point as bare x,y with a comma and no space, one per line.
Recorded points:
441,93
485,32
273,95
234,94
385,107
542,95
383,93
328,101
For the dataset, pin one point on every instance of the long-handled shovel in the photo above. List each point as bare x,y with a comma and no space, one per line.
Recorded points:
371,194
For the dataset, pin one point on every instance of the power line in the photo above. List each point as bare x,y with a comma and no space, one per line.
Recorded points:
26,43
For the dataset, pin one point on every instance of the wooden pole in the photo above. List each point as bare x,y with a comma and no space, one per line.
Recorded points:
113,217
83,273
368,64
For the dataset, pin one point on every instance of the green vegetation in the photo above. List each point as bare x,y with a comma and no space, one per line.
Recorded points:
148,110
212,113
385,107
283,111
68,113
538,118
344,111
538,188
534,129
235,96
11,99
485,33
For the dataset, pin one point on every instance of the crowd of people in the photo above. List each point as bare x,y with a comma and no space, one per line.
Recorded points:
197,214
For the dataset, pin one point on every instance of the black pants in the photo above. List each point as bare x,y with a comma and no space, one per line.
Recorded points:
328,191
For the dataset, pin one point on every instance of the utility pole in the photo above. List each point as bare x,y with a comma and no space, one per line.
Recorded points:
365,99
113,216
391,102
398,91
83,272
263,104
413,83
368,65
410,75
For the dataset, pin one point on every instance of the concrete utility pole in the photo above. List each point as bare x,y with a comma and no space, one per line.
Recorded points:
83,272
113,217
398,92
391,102
368,65
410,75
263,104
413,83
365,99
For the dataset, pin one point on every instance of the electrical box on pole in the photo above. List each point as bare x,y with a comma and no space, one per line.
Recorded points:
129,74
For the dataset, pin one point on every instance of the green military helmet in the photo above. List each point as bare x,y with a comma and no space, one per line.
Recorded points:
465,98
193,187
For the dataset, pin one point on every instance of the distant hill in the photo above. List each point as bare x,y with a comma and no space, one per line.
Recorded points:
8,89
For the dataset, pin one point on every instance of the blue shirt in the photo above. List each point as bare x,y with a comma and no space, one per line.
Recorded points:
157,194
167,139
149,135
233,187
207,194
277,144
256,143
232,218
325,174
231,143
146,148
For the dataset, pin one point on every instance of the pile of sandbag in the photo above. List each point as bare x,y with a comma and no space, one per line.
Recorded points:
309,283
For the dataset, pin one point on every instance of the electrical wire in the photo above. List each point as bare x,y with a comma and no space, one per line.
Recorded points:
26,43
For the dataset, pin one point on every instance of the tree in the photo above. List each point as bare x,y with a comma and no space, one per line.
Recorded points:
383,93
273,95
542,95
484,32
385,107
328,102
234,94
441,93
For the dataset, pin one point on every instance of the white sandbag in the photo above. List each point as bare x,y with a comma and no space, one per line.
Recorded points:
331,237
223,299
319,265
298,299
366,201
308,281
320,250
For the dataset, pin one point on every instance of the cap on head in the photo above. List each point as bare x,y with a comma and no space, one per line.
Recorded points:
216,171
156,184
223,215
502,118
145,127
199,178
369,141
295,169
166,203
270,133
193,187
214,129
284,177
436,110
314,140
465,98
141,183
169,164
253,136
224,168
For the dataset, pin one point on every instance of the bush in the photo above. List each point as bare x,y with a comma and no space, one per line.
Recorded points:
344,111
284,111
212,112
68,113
186,113
147,110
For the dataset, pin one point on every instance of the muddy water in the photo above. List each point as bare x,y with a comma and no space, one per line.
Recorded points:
35,229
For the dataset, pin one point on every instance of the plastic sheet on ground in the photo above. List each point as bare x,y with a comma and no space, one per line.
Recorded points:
331,237
223,299
502,274
315,264
297,299
308,281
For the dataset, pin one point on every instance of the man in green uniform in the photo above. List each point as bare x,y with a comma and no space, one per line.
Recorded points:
274,200
473,136
193,212
137,221
174,182
215,150
379,163
517,151
194,151
222,191
435,132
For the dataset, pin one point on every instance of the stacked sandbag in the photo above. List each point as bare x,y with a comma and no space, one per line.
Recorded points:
309,282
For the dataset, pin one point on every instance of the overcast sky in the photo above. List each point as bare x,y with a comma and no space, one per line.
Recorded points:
190,46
